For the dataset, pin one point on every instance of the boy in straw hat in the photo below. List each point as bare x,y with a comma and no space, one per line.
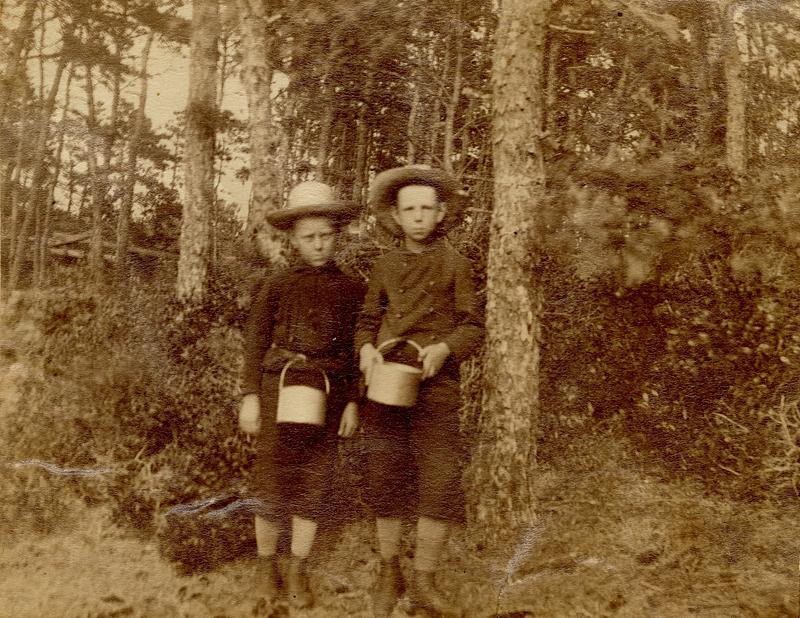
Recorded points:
422,291
305,315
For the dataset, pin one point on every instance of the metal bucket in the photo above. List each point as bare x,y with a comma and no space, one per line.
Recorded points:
394,384
298,403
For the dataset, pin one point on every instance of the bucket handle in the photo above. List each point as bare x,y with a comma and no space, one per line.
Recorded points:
302,357
397,340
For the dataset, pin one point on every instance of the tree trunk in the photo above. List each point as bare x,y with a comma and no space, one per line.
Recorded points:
220,150
506,453
455,95
15,185
95,256
201,120
328,82
266,169
702,75
736,89
41,207
325,124
15,55
411,130
47,207
70,184
362,136
113,118
38,176
123,220
14,59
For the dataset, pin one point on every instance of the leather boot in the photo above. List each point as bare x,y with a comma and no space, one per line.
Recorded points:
297,589
388,588
269,583
424,595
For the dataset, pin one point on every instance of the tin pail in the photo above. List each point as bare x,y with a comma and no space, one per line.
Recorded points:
394,384
298,403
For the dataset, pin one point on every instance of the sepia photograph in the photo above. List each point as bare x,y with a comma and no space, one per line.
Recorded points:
445,308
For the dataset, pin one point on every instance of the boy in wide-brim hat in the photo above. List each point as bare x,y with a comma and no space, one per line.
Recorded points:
422,291
305,315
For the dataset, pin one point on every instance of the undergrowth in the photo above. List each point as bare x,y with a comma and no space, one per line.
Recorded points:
689,349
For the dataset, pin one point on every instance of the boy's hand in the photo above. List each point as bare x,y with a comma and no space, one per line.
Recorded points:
368,355
433,357
250,414
349,422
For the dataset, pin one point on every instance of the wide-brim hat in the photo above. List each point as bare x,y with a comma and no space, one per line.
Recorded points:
383,194
312,199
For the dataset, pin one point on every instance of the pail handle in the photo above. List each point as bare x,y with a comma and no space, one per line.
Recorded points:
397,340
302,357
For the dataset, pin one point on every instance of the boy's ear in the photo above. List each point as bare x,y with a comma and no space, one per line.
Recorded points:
395,216
442,212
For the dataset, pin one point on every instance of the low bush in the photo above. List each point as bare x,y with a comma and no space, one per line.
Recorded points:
672,302
135,385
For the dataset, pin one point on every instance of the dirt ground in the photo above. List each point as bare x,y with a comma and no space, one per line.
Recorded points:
612,541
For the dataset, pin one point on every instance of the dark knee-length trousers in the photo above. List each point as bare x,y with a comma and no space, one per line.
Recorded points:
294,461
416,455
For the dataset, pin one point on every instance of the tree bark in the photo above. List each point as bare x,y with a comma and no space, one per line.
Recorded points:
506,452
201,120
736,89
551,88
266,167
123,220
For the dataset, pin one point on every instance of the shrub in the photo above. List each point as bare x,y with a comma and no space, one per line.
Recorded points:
136,384
672,303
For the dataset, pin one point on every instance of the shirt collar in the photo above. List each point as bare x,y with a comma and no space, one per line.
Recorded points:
428,248
302,267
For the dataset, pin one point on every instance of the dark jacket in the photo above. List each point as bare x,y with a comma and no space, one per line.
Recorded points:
428,297
303,310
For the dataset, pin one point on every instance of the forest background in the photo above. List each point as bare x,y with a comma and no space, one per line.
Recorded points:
631,167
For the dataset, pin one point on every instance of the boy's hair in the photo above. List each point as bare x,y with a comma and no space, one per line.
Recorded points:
436,191
337,224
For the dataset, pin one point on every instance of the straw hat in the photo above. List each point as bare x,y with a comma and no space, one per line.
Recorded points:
383,194
312,199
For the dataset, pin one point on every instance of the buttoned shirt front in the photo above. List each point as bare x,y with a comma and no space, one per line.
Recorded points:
428,297
304,310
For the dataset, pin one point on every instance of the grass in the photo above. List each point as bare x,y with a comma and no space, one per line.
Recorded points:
611,540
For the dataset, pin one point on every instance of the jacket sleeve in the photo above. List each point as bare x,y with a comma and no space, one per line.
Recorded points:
468,332
371,315
353,375
257,336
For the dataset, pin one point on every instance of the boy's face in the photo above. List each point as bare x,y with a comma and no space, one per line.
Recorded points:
315,240
418,211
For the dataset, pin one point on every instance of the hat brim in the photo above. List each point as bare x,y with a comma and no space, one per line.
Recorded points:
340,212
383,195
